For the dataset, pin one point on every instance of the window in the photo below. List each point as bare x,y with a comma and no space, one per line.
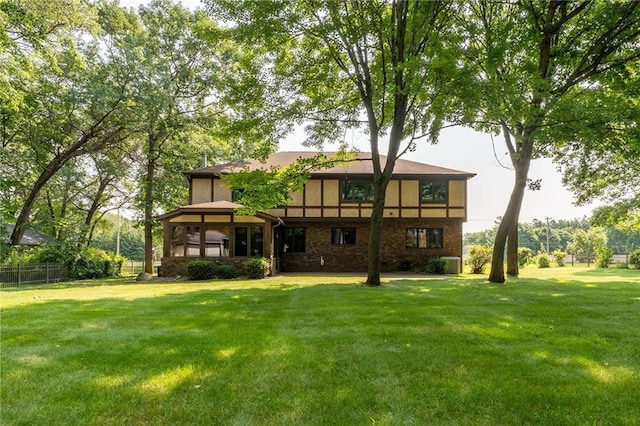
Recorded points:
177,241
424,238
343,236
257,241
193,241
433,191
216,242
249,240
356,190
294,240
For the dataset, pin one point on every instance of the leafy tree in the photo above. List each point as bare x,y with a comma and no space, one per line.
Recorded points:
587,243
72,106
538,64
478,258
176,69
378,65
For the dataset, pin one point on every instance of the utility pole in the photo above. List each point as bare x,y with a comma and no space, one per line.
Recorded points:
548,233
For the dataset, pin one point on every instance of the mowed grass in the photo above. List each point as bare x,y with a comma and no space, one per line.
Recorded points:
558,347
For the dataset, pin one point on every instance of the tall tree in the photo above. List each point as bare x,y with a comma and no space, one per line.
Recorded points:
73,107
177,69
384,66
537,62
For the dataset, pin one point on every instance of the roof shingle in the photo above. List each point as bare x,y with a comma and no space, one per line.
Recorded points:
360,165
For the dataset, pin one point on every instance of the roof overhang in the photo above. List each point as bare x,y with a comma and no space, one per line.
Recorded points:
215,207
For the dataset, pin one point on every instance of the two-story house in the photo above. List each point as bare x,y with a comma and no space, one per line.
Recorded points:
324,227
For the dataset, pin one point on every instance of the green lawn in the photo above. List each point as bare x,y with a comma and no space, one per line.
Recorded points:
557,347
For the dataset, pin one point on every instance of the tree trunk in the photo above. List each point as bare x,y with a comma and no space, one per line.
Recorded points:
96,203
512,250
48,172
148,205
512,213
375,236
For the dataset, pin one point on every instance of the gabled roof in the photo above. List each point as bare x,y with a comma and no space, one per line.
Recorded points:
213,207
361,165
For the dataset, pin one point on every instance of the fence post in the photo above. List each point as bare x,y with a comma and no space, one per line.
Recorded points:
19,274
47,272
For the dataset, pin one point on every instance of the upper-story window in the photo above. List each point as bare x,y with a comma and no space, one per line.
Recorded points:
433,191
356,190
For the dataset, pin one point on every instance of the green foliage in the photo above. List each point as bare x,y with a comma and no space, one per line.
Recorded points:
543,260
604,257
478,258
634,258
257,268
437,265
226,271
200,269
558,256
525,256
84,263
587,243
264,189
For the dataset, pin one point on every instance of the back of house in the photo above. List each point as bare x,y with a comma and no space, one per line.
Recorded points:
325,227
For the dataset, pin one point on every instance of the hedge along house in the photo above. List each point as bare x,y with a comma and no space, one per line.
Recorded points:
326,225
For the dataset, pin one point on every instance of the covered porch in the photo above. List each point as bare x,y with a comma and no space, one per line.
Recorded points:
215,231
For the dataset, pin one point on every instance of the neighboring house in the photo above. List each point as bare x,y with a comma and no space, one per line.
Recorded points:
326,226
29,239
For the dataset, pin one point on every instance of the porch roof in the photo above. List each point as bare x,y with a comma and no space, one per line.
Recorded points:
214,207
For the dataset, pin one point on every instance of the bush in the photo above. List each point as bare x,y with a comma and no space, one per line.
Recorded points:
257,268
604,257
437,266
201,269
543,260
478,258
558,256
634,258
524,256
226,272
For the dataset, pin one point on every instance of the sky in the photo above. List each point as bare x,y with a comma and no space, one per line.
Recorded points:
464,149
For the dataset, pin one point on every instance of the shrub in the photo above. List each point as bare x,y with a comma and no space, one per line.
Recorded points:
84,263
257,267
634,258
478,258
543,260
604,257
437,266
201,269
524,256
558,256
226,272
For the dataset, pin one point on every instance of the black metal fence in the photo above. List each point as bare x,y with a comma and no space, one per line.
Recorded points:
31,273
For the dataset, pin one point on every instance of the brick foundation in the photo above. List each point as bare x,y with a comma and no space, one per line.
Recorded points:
174,266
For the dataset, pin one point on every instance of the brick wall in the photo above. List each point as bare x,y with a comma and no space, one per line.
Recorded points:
395,256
